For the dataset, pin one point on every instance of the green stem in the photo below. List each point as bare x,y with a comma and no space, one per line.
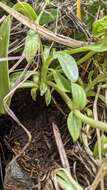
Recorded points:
86,57
62,94
78,50
43,74
95,124
29,85
98,79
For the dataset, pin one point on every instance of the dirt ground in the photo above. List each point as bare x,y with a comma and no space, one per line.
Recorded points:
42,154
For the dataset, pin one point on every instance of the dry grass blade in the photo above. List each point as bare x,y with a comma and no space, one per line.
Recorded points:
16,65
95,112
106,97
60,147
101,173
79,9
11,113
9,58
2,19
42,30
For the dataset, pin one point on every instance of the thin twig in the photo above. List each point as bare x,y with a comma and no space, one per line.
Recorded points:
11,113
60,147
2,19
10,58
102,172
98,130
16,65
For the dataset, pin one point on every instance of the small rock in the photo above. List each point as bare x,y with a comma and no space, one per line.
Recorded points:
16,178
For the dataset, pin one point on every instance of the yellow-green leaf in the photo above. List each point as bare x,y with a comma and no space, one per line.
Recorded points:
100,27
34,93
49,15
26,10
68,65
48,96
74,126
79,96
62,82
32,45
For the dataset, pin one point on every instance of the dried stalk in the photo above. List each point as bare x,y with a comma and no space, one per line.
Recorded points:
42,30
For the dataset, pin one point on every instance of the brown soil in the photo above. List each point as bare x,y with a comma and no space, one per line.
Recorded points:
42,154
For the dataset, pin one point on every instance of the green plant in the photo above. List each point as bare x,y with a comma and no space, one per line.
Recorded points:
59,71
63,78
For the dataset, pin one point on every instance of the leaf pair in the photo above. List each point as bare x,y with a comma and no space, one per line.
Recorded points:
70,69
79,102
78,94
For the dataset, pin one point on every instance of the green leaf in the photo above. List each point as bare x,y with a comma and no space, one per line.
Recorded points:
79,96
100,27
62,83
65,180
26,9
4,70
34,93
68,65
43,88
36,77
49,15
48,96
103,149
32,45
16,74
74,126
46,53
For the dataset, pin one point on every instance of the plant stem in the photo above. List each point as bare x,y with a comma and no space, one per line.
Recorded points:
95,124
62,94
78,50
100,78
29,84
43,74
86,57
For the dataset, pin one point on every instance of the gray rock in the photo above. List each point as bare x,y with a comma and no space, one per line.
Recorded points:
16,178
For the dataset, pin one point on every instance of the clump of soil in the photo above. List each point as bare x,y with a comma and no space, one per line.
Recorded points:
42,154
